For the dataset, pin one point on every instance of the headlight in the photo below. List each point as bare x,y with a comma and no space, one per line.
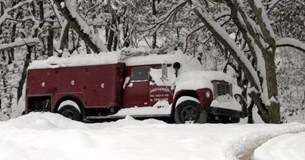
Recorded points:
208,94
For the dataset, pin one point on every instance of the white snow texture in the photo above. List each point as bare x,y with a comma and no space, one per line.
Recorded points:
50,136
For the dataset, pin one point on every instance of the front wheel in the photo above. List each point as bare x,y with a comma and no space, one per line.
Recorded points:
70,112
190,112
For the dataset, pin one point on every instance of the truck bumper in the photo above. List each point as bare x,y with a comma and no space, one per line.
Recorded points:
225,112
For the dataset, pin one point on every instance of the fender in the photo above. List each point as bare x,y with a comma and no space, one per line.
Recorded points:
199,94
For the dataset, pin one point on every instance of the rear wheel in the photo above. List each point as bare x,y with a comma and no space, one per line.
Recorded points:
70,112
190,112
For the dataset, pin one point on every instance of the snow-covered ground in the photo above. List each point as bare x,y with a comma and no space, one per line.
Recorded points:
285,147
47,136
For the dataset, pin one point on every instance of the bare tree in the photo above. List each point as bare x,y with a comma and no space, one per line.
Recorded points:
80,26
254,51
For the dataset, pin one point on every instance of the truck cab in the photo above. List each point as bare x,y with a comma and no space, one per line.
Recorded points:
136,84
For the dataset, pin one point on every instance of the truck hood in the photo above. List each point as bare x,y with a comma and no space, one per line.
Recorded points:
203,79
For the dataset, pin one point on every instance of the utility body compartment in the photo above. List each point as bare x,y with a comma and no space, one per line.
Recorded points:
97,86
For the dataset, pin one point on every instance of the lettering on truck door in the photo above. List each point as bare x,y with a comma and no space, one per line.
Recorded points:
160,88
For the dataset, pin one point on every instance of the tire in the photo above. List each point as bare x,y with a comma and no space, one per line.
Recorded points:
190,112
70,112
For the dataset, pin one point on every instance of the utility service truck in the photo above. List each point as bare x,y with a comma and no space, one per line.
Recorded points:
134,83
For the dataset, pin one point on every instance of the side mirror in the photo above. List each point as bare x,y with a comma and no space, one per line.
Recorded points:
176,66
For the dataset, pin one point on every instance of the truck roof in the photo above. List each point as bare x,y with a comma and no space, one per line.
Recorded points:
76,60
131,57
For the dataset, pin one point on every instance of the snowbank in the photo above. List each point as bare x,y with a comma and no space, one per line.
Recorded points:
285,147
253,138
49,136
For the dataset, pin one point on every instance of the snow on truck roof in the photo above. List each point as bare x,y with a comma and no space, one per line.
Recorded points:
76,60
130,57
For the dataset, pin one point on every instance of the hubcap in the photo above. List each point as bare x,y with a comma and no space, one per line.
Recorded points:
68,114
189,114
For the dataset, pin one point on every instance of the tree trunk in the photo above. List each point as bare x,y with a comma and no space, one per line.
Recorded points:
110,39
41,17
125,35
64,37
50,38
107,32
268,53
50,41
13,37
269,112
154,12
115,43
88,51
262,109
41,10
24,71
11,52
250,113
274,106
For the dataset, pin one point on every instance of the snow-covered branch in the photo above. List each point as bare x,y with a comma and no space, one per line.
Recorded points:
56,12
236,52
80,26
165,18
189,35
272,4
291,42
20,43
6,12
63,35
246,26
257,37
263,21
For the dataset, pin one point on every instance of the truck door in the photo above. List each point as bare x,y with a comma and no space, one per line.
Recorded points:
137,85
160,88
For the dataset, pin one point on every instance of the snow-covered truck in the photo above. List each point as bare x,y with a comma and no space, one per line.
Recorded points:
117,84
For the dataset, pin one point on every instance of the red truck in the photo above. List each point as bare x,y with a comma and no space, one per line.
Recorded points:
135,83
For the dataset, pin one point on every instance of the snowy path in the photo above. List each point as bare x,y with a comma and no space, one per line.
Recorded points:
284,147
50,136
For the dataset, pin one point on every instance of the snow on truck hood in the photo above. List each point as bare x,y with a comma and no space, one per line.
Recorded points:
203,79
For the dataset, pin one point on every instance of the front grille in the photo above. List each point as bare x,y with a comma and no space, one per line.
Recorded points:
222,88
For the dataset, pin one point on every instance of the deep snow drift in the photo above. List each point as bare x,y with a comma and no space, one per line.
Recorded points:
49,136
285,147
